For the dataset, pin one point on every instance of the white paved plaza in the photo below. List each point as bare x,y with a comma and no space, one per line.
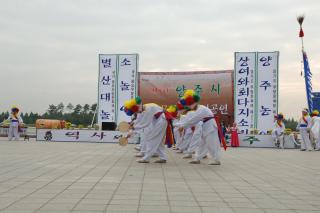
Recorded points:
91,177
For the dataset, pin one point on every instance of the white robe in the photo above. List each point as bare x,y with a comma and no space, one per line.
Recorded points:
304,128
315,129
196,138
143,121
210,138
14,127
186,139
187,134
278,133
154,130
178,136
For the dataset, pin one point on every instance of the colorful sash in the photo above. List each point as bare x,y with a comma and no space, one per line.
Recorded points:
169,140
221,137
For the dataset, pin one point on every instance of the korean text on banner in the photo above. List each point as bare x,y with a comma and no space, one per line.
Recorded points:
244,95
267,86
106,88
68,135
127,75
214,87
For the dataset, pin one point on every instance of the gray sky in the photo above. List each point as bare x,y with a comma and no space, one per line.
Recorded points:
49,49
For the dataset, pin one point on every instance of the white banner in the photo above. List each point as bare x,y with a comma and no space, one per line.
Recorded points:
127,82
244,92
265,141
267,86
78,135
106,88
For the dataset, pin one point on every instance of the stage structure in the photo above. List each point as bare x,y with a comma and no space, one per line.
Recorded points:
215,88
117,83
255,91
250,93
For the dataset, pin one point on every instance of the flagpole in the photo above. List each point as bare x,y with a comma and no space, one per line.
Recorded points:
307,72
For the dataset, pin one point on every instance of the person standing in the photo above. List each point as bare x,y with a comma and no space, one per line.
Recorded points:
315,128
234,135
304,129
15,124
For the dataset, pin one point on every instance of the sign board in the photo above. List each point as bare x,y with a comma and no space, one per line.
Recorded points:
244,87
107,88
127,83
267,88
215,88
255,90
79,135
117,83
265,141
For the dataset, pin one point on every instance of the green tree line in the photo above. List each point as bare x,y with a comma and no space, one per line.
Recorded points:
76,114
290,124
83,114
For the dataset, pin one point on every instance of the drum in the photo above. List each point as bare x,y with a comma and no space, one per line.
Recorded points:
123,141
124,126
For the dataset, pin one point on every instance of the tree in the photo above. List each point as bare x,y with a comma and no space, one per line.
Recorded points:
86,108
52,110
76,115
77,109
25,117
70,107
60,108
93,107
4,116
290,124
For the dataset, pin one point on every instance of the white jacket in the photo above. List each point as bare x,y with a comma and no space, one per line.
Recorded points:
198,115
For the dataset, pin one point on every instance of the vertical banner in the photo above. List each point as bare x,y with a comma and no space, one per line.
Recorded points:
244,91
126,82
106,88
267,87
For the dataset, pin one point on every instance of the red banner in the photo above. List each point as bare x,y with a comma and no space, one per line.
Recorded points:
215,88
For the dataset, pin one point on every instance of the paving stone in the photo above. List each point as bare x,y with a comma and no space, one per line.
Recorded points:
92,177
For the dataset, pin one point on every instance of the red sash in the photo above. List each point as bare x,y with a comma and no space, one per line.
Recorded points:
169,140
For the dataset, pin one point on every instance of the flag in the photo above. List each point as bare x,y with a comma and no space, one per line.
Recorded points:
307,77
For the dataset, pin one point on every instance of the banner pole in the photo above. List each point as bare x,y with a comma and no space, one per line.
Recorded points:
94,115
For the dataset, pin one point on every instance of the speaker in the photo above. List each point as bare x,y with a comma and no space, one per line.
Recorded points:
109,126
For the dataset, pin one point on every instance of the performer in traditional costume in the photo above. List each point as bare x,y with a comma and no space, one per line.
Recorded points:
278,131
187,135
178,132
304,129
211,130
15,124
136,133
195,140
145,117
157,127
234,135
191,137
315,128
